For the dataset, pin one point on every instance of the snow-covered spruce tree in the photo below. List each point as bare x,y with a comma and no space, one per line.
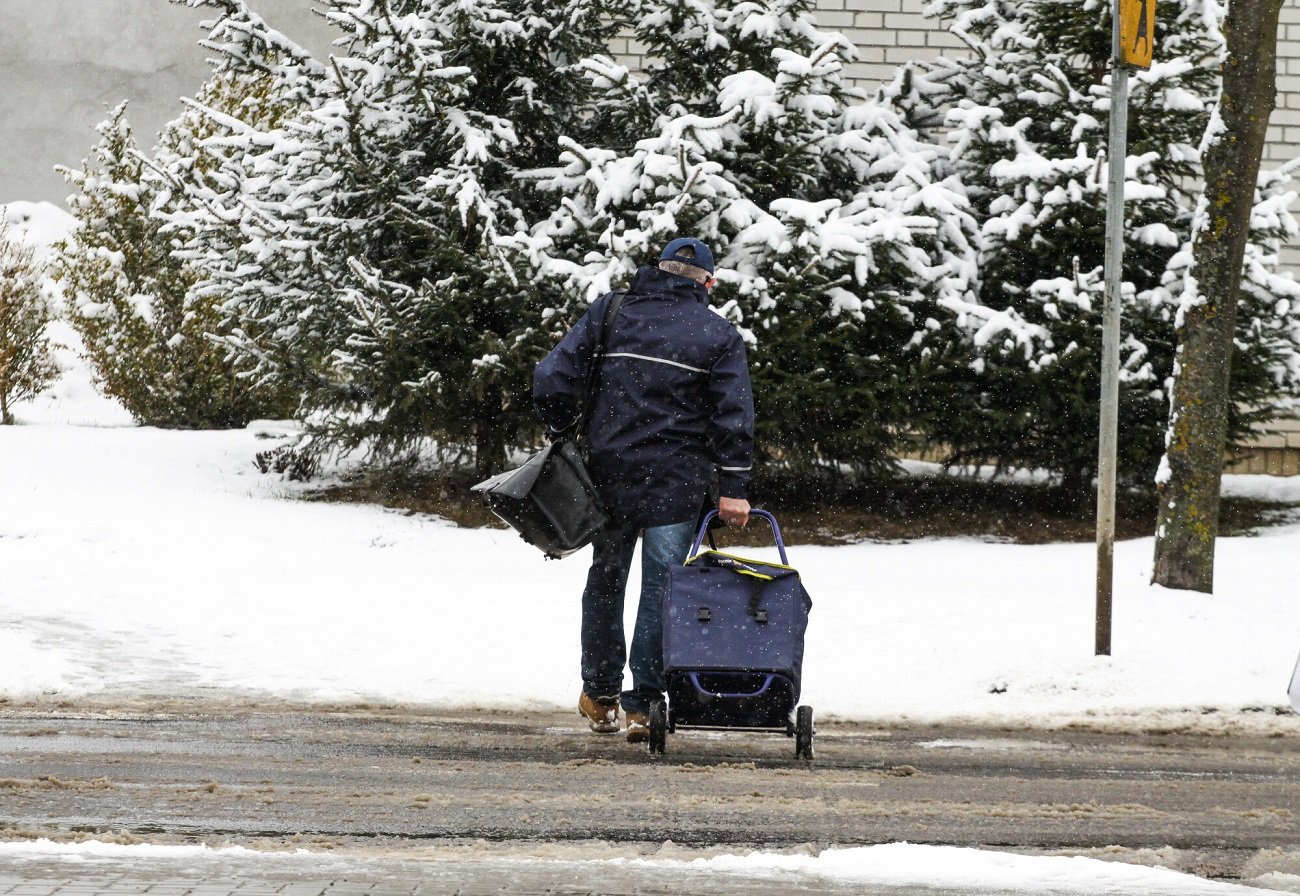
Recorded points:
27,365
359,237
1266,366
839,250
1026,116
151,345
1265,376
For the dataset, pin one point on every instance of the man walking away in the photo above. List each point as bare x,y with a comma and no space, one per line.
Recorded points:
671,410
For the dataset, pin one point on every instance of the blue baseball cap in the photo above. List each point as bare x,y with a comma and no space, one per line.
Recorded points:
688,250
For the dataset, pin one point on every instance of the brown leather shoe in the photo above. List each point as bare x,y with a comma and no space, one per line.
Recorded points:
638,727
601,714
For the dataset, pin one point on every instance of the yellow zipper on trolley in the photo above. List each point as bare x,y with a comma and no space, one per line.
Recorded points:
747,569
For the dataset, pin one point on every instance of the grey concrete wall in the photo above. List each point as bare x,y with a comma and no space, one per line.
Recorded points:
65,63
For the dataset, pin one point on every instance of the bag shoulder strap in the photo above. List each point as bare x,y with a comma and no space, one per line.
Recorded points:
606,327
597,357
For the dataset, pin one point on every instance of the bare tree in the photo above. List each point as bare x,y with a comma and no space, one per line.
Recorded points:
27,365
1190,477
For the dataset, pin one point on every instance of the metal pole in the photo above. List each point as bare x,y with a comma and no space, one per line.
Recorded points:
1108,440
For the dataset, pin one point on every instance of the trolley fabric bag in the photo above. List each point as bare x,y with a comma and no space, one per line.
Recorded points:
550,501
733,637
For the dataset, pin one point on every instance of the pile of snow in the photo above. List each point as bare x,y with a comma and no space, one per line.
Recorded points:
41,224
74,397
963,870
892,867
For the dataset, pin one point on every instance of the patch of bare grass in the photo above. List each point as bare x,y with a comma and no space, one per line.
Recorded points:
822,511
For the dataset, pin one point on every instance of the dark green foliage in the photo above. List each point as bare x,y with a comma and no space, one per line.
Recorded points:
397,310
1027,113
837,245
396,236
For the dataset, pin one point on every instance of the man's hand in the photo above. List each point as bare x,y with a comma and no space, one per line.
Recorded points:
734,511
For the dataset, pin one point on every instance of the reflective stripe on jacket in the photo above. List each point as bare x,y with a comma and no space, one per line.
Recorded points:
672,405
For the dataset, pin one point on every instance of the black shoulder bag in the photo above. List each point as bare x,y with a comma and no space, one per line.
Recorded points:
551,501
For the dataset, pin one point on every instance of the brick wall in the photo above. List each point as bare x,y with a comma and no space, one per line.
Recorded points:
1284,130
887,32
1276,454
1284,125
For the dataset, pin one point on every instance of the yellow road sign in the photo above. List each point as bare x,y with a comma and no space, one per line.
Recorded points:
1137,32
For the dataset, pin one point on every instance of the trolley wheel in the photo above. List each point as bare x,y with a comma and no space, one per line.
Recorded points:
803,733
658,726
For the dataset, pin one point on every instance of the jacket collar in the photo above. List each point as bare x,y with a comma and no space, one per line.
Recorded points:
650,280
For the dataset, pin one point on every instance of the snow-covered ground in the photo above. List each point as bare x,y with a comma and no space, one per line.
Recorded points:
885,868
136,561
144,561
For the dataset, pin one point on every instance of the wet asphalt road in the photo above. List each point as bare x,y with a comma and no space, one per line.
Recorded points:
386,781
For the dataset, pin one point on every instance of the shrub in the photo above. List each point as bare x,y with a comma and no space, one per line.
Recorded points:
27,363
154,347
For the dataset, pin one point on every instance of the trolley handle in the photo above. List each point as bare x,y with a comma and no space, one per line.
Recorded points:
708,518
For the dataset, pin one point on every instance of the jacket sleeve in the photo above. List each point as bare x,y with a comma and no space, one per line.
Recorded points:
560,379
731,429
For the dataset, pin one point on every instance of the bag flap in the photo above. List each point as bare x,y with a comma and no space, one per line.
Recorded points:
516,483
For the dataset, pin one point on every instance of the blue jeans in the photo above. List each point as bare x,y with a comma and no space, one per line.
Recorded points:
603,643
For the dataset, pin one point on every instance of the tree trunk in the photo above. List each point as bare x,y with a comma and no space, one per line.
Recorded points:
1188,519
6,418
489,444
1076,491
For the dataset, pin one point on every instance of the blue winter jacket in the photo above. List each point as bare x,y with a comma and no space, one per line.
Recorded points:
672,404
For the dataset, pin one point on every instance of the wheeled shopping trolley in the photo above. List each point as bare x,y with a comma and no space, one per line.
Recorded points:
733,639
